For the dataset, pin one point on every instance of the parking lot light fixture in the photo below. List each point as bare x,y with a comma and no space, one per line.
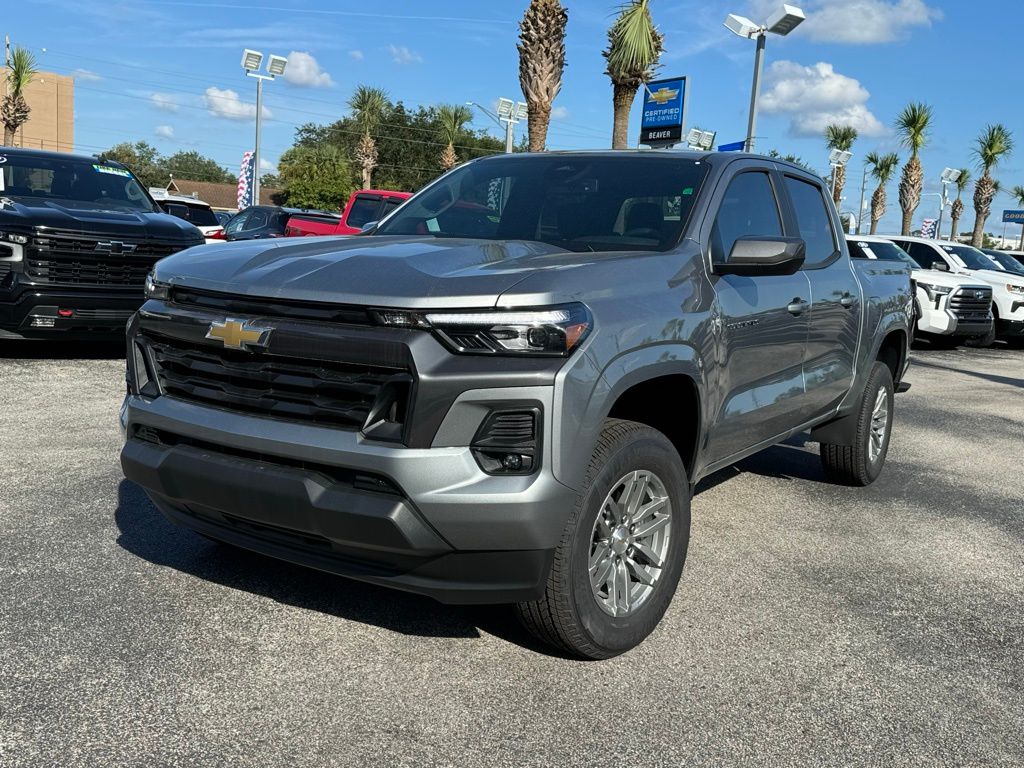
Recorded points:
949,176
837,158
251,63
781,23
700,139
509,114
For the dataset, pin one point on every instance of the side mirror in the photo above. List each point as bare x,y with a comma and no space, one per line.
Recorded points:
368,226
940,265
764,256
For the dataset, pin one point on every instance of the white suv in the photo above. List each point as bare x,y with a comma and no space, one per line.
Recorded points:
1007,288
192,210
946,304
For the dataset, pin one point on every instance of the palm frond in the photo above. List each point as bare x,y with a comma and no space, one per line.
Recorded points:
21,71
994,143
840,136
1018,194
634,44
912,126
369,106
451,119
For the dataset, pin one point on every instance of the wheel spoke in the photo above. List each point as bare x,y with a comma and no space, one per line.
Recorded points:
613,590
646,529
649,554
622,576
648,509
642,574
601,551
629,488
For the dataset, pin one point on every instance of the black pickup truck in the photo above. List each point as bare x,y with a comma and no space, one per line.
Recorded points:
78,235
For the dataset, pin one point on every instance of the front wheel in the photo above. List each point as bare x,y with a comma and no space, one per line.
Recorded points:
622,552
861,463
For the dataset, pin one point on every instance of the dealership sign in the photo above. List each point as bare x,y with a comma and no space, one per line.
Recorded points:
1013,217
664,111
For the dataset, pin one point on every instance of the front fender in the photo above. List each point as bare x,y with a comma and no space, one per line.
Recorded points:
585,405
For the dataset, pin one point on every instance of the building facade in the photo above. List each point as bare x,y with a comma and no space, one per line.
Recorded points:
51,124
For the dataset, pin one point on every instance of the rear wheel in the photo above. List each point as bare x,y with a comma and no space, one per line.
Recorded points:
622,552
861,463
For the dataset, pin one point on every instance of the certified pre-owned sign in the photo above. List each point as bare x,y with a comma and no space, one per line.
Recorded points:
664,111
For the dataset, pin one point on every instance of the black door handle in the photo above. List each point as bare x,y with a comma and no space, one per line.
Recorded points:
848,300
796,307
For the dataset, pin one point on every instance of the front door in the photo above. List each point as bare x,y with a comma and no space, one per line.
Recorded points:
760,327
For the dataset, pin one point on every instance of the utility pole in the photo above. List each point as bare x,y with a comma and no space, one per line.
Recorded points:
7,50
863,189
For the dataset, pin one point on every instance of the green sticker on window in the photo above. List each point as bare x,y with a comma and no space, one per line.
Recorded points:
688,191
111,169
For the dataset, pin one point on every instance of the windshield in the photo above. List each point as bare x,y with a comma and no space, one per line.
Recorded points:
581,203
862,249
71,180
1005,262
971,257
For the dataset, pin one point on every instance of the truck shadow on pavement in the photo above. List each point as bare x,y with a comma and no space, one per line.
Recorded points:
789,461
21,349
148,534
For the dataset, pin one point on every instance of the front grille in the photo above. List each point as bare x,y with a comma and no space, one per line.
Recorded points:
298,389
972,304
76,260
291,309
121,315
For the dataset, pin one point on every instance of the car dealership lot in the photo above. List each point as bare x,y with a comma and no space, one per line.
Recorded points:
814,624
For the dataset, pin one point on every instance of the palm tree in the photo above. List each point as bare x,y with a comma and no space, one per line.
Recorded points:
369,106
1018,195
634,47
882,169
994,143
912,125
957,209
451,118
14,110
839,137
541,62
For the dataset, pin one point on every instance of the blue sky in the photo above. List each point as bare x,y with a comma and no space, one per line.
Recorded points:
168,72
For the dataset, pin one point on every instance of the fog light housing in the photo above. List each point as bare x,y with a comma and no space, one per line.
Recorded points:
508,441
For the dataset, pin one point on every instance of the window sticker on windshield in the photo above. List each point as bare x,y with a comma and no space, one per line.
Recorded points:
867,250
111,169
3,159
688,191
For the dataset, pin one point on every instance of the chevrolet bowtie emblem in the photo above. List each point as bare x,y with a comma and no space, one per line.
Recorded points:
239,334
664,95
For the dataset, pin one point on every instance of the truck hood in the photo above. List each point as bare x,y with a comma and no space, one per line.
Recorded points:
33,214
994,277
945,279
405,272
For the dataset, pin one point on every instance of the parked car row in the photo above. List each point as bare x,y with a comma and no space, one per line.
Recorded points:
962,294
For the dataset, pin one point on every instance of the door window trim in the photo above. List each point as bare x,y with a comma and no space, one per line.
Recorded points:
837,248
716,203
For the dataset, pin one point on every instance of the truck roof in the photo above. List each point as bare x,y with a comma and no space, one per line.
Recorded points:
28,152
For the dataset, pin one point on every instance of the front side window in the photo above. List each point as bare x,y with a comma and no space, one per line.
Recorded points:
972,258
72,182
813,218
237,222
579,203
749,209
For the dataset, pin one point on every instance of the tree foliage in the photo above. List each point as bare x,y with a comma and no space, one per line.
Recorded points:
155,170
14,110
408,144
541,63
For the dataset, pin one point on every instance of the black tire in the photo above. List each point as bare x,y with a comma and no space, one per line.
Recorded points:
568,615
852,464
946,342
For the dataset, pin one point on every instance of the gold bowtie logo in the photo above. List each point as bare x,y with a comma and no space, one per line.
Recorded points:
239,334
664,95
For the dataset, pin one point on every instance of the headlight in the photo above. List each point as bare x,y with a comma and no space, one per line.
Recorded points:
154,289
935,290
549,331
1015,288
14,237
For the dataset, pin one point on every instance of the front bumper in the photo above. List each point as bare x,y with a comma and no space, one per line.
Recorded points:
428,520
1010,328
37,311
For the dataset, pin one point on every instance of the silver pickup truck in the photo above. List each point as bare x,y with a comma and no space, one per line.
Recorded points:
505,391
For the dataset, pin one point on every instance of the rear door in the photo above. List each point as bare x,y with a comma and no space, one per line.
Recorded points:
759,324
836,301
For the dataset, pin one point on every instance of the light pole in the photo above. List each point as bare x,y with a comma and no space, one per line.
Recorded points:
700,139
509,114
837,158
863,190
949,176
781,23
251,62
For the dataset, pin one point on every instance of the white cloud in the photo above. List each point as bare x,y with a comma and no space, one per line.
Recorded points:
559,113
86,75
164,131
815,96
356,54
266,166
225,103
304,70
858,21
165,102
402,55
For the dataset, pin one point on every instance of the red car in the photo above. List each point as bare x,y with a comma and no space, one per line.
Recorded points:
364,206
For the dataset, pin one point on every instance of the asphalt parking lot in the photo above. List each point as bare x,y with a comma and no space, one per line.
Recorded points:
814,625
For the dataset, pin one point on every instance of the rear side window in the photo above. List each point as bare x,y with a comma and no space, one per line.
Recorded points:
923,254
749,209
257,220
813,219
364,210
390,204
